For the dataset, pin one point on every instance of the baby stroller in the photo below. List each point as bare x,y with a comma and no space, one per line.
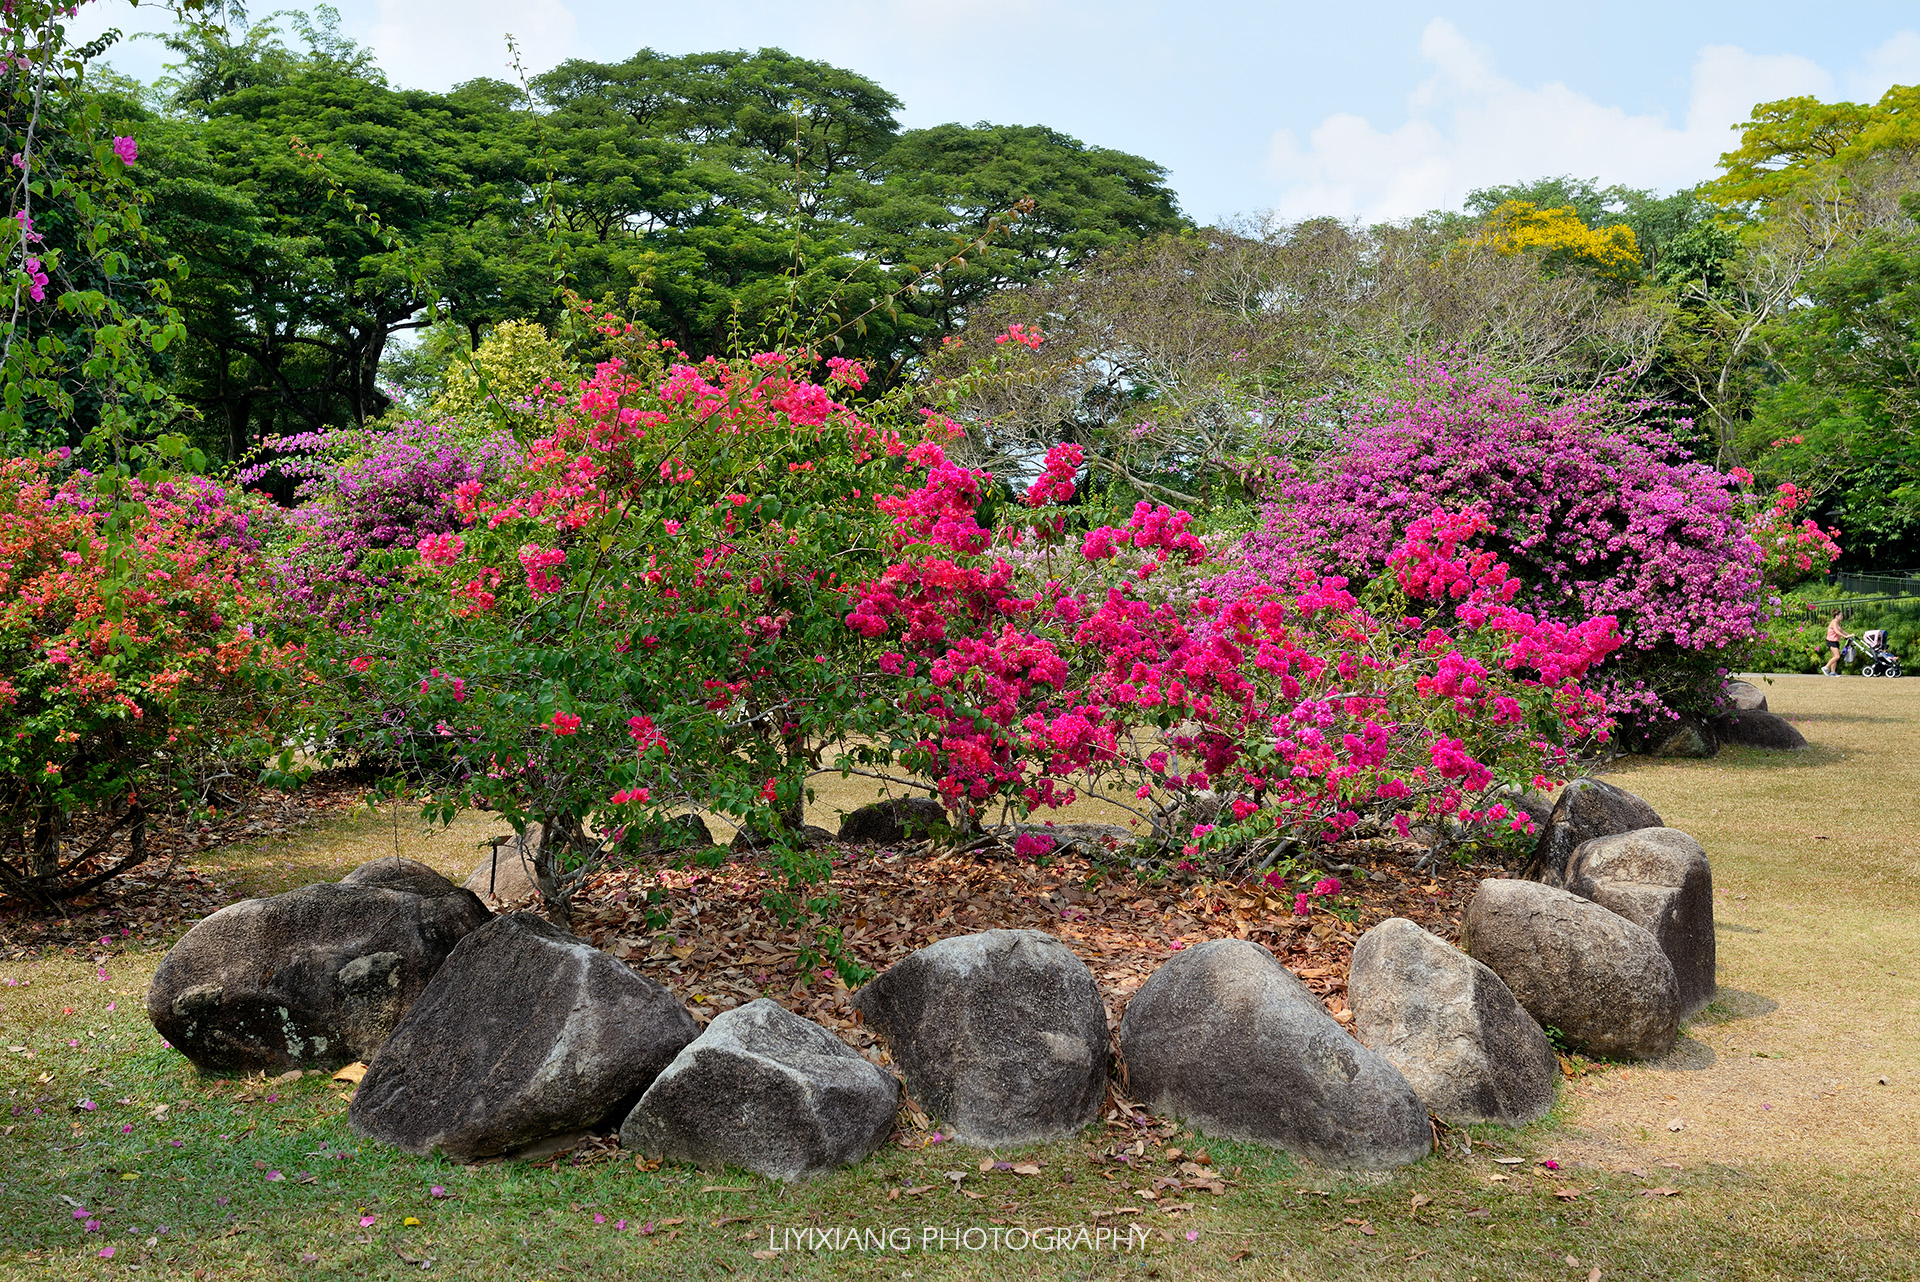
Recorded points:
1880,661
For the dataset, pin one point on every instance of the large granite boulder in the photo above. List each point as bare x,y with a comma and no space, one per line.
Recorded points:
1451,1027
1744,696
681,832
1599,979
1585,808
1002,1036
1760,730
1658,879
510,875
748,841
769,1092
525,1034
313,978
395,873
885,823
1227,1039
1687,737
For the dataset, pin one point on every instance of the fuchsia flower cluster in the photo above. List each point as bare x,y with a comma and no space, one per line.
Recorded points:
1309,710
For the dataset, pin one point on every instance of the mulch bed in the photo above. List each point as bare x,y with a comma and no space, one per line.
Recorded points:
721,946
160,898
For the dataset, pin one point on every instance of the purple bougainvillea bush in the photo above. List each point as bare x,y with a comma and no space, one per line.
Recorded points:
1597,510
360,492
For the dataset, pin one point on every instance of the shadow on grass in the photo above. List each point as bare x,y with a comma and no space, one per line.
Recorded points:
1814,757
1840,718
1730,1004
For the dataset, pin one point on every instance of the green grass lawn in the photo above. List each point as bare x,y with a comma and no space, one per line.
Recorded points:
1816,857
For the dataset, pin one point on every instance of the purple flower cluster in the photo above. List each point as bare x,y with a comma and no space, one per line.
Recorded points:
364,491
1595,509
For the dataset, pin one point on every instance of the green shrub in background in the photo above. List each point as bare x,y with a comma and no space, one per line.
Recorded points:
514,367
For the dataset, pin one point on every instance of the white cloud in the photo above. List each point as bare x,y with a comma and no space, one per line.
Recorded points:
1895,62
436,44
1467,126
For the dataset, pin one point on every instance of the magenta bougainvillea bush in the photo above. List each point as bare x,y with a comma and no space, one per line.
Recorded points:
1595,510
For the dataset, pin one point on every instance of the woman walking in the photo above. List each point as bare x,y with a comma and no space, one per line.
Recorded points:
1836,636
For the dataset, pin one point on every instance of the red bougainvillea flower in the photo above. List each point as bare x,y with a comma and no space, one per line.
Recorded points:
565,723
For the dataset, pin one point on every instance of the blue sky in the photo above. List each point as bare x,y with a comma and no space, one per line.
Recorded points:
1376,110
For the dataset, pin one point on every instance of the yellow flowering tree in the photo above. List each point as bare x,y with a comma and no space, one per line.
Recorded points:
1561,239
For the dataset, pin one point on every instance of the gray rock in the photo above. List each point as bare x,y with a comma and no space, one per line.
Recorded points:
678,832
1745,696
1451,1026
509,875
526,1033
1002,1036
1227,1039
1585,808
886,822
1577,967
395,873
1761,730
746,841
1658,879
1687,737
313,978
769,1092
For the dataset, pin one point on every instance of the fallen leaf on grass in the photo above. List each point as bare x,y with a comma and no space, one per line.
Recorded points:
1566,1195
1510,1161
1497,1179
917,1191
764,1254
727,1188
351,1073
1593,1274
1026,1168
1675,1124
1420,1200
1665,1190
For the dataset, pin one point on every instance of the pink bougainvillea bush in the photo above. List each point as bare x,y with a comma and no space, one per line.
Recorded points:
1306,710
1595,510
1796,548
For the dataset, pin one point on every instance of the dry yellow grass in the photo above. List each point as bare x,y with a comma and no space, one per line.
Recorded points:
1816,864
